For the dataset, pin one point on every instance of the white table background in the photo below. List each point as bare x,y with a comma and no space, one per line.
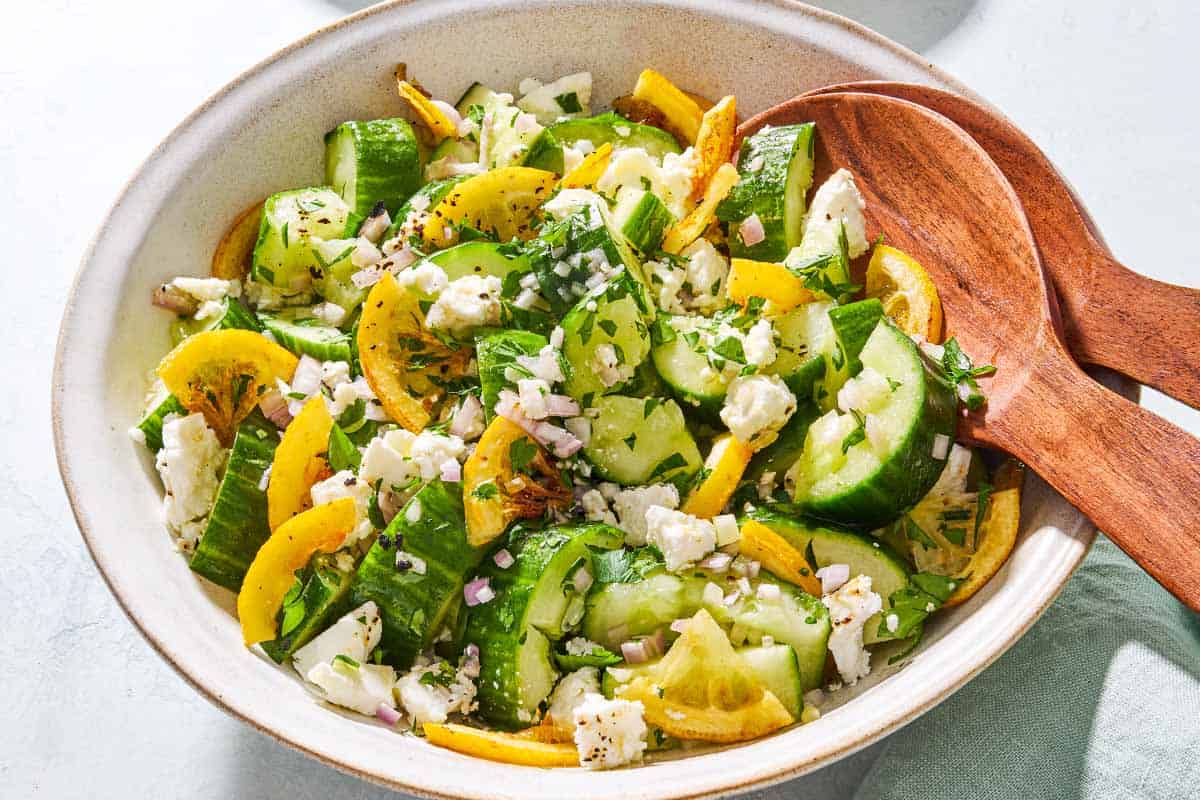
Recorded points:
88,88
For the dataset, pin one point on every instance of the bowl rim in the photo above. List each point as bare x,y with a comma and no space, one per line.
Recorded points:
1085,533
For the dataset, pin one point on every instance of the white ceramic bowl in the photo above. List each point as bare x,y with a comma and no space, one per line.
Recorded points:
263,133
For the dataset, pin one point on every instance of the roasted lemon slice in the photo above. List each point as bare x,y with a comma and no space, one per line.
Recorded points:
997,532
725,464
908,295
299,462
498,202
231,259
221,374
702,690
507,748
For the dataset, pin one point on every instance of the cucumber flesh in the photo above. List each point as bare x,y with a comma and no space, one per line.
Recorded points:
234,314
496,354
605,338
297,330
535,601
290,221
642,218
480,258
683,364
636,441
479,95
809,357
332,275
375,161
844,476
775,168
779,456
853,323
237,525
160,405
415,603
546,151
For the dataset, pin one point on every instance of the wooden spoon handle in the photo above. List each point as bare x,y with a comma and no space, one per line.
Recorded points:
1134,474
1138,326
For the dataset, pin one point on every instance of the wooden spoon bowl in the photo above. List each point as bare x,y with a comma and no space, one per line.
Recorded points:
936,195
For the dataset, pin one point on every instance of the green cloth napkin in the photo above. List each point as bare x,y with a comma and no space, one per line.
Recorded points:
1100,700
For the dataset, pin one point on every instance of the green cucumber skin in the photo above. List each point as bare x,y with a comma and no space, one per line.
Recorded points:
502,627
659,435
495,353
787,157
237,526
903,479
478,258
476,94
324,596
622,303
434,192
322,342
854,323
151,424
387,165
779,456
413,606
646,223
680,368
236,316
581,232
546,151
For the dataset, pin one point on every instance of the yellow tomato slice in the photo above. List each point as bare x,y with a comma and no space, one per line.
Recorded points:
499,201
908,295
777,556
774,283
221,373
997,533
681,113
435,120
231,259
725,464
272,572
691,227
494,494
406,366
585,175
703,690
714,142
299,462
507,748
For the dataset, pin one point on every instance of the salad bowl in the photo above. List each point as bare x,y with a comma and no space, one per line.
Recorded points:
263,131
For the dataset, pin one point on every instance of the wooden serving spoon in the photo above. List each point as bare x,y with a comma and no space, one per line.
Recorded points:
940,198
1111,315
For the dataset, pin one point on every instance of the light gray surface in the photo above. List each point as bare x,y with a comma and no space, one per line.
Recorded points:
87,89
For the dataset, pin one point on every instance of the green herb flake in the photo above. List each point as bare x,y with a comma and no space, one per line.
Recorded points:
485,491
569,102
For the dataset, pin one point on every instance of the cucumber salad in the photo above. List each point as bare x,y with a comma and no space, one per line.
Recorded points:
560,437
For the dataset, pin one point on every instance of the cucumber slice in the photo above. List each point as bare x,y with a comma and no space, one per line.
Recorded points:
781,454
160,405
325,589
234,314
843,476
605,338
496,353
809,356
535,601
425,199
331,276
796,619
636,441
853,323
569,96
300,332
415,602
775,169
481,258
546,151
283,253
683,364
462,151
865,555
371,162
642,218
479,95
567,254
646,382
237,526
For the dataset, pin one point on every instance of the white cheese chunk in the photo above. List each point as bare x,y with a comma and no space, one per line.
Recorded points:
609,733
681,538
355,635
189,464
756,407
849,609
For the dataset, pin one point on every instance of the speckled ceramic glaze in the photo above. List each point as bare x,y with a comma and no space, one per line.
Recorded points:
263,133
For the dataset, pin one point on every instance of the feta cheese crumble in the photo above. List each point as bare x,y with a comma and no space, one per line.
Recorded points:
363,688
849,609
632,504
569,695
839,201
681,538
345,484
355,635
433,690
467,303
189,464
609,733
756,407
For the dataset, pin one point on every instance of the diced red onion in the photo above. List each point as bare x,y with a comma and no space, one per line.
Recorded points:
466,417
507,406
172,299
752,568
366,277
471,651
680,625
655,644
387,715
833,577
265,480
717,562
941,446
526,299
582,581
752,231
503,559
634,652
560,440
478,592
451,470
525,123
559,405
470,661
374,228
275,408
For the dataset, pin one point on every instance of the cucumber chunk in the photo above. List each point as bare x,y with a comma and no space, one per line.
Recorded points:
480,258
419,594
637,440
325,589
809,356
234,314
331,276
237,526
546,151
779,456
479,95
642,218
775,168
283,253
161,404
853,324
496,355
847,477
375,161
683,364
407,221
303,334
535,601
865,555
605,338
568,255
